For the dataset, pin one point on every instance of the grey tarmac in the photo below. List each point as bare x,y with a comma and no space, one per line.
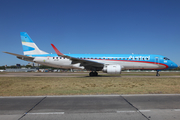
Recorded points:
88,107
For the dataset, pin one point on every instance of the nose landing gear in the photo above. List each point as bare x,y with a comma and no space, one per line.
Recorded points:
157,73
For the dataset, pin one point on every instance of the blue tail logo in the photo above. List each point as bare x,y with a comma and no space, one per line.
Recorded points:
29,47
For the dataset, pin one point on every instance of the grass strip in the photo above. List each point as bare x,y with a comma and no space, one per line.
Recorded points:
35,86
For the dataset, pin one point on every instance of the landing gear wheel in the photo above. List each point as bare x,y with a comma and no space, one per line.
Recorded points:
93,74
157,73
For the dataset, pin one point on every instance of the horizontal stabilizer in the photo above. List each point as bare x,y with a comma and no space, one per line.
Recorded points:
23,57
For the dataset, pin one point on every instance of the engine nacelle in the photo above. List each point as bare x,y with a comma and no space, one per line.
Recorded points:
112,69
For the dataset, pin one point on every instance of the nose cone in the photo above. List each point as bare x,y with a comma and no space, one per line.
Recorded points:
172,65
175,65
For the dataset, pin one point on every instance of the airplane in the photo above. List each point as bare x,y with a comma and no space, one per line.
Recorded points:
108,63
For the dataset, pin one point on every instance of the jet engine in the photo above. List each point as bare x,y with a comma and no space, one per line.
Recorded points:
112,69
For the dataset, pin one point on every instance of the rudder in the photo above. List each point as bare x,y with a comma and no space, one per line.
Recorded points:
29,47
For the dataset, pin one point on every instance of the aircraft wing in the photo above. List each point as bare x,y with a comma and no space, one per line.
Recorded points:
23,57
88,64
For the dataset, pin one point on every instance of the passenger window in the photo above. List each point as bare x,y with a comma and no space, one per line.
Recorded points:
56,57
139,58
143,58
146,58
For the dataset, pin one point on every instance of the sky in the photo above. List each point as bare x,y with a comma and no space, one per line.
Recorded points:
91,27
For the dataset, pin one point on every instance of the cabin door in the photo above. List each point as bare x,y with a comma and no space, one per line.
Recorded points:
156,60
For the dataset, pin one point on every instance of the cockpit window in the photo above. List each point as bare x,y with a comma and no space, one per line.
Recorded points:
165,58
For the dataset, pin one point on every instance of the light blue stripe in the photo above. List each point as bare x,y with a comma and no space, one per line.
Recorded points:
25,37
27,48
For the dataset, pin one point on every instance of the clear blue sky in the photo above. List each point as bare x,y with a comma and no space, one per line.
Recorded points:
91,26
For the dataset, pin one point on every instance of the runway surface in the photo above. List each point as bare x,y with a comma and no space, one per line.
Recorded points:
88,107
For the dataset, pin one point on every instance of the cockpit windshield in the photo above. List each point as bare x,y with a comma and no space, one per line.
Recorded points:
165,58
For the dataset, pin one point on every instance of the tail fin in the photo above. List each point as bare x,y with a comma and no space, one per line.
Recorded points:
29,47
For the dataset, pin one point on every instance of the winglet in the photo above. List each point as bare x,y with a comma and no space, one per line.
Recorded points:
56,50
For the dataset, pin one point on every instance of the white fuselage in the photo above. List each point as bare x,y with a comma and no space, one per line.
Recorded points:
67,63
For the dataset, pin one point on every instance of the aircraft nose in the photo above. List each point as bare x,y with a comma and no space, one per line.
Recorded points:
175,65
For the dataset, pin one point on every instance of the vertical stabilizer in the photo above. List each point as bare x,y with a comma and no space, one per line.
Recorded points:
29,47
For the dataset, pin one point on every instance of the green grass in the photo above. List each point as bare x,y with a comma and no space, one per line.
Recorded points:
150,73
34,86
131,74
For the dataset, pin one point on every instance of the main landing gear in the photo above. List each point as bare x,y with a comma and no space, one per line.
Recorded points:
157,73
93,74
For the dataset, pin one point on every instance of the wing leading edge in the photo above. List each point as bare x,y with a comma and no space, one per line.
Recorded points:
88,64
